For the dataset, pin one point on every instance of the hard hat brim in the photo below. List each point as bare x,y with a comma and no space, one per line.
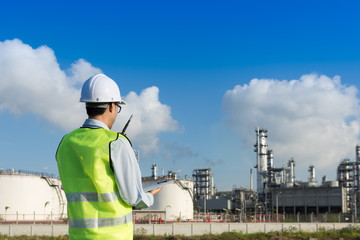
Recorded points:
121,102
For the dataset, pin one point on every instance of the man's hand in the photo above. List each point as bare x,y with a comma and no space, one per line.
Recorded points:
155,191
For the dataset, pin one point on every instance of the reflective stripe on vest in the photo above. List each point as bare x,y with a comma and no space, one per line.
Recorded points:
93,197
100,222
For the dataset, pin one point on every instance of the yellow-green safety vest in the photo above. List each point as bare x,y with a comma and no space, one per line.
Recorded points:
95,208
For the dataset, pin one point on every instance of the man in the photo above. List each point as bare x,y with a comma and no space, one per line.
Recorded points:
98,169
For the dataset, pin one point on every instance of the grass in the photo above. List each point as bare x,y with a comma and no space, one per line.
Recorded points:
347,233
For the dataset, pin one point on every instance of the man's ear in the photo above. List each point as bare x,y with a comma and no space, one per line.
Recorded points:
111,107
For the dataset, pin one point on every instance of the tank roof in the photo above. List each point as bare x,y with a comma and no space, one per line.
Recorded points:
26,173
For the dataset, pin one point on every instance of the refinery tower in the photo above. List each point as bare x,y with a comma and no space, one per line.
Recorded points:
262,160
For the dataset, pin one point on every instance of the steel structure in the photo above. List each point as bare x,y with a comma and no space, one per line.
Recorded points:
342,195
262,161
203,183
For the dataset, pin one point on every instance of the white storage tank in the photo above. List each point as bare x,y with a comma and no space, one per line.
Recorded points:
176,199
29,196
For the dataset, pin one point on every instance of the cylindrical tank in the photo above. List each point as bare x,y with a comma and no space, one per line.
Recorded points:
176,199
27,197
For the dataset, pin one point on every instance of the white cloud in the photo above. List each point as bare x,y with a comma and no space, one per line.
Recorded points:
150,117
80,71
314,119
32,82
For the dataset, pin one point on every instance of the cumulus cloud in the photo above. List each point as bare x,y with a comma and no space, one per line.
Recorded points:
314,119
32,82
150,117
80,71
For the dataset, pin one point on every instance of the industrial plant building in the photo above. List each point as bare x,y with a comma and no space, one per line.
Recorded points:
277,190
277,187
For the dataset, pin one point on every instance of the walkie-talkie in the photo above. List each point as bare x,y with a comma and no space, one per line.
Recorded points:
126,125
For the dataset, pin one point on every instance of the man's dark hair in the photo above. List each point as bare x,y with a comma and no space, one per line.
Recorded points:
95,109
93,112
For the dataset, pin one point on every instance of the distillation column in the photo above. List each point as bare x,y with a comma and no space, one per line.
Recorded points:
291,165
357,180
270,166
251,180
262,161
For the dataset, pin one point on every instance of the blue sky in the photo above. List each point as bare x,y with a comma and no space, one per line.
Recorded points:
194,53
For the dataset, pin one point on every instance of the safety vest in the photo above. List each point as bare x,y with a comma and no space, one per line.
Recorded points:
95,208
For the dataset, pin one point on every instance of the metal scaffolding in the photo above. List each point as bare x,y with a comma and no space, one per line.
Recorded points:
203,183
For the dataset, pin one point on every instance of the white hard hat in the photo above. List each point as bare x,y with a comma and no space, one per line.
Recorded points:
100,89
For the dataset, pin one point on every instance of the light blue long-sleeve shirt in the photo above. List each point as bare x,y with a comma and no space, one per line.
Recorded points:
126,170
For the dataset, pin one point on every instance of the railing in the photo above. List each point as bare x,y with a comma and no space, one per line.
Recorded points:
19,218
321,217
230,217
26,172
159,217
311,217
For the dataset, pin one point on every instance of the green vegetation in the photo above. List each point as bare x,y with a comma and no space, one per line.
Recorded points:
332,218
347,233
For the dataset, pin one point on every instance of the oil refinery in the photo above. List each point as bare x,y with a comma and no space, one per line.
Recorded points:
29,196
278,192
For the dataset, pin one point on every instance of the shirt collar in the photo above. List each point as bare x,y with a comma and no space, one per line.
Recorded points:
93,123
